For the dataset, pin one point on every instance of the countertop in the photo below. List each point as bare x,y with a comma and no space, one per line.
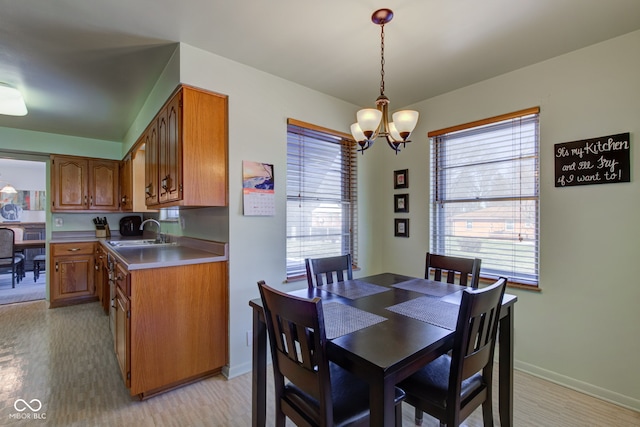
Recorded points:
187,251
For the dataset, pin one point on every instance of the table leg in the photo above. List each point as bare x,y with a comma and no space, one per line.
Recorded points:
381,402
505,373
259,372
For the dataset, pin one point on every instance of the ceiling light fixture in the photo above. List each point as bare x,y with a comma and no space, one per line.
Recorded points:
8,189
11,102
374,122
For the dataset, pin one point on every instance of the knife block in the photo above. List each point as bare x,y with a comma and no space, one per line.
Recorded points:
103,232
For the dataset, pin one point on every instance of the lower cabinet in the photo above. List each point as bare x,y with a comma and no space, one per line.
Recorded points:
72,273
122,336
172,326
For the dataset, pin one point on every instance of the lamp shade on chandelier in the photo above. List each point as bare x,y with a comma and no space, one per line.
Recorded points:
374,122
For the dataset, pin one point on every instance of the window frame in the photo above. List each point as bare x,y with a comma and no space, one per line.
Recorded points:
307,133
440,192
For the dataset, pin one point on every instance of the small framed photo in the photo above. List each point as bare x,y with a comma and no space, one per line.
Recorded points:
401,178
401,227
401,203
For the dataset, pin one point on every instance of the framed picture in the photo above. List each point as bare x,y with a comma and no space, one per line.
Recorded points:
401,178
401,227
401,203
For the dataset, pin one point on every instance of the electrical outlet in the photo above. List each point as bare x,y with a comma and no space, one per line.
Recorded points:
59,222
249,338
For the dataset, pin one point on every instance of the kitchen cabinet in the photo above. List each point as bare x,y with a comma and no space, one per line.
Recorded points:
101,277
132,181
84,184
171,325
186,151
126,183
72,273
122,341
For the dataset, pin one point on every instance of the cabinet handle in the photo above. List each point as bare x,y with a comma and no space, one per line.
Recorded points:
91,198
148,189
85,199
113,303
56,266
73,249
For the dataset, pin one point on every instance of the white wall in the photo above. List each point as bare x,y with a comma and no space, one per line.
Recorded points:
583,328
259,105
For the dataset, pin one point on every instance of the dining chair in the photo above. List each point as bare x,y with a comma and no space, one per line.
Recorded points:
321,271
467,269
318,392
452,386
18,236
8,258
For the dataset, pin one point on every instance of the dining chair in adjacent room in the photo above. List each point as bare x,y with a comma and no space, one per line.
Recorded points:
18,236
8,259
445,268
317,392
452,386
321,271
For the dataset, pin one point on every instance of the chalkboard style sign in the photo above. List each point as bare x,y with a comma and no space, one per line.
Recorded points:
603,160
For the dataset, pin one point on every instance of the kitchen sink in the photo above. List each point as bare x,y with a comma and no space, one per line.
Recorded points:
139,243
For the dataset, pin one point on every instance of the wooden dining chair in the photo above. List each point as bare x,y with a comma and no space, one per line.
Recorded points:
8,257
319,392
467,269
451,387
322,271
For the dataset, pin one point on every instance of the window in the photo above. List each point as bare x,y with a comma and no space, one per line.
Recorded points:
321,195
487,173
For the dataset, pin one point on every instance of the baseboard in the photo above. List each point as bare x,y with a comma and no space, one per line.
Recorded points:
583,387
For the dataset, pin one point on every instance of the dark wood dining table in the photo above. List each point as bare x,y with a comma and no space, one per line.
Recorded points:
386,327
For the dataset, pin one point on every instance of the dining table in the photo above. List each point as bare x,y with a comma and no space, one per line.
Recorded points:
383,328
19,245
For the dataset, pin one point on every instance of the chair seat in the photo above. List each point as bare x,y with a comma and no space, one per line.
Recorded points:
350,398
431,383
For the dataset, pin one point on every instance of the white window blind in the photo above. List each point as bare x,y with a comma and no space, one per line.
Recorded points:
484,195
321,195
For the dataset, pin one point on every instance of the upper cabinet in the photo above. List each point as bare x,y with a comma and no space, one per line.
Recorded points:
186,151
80,183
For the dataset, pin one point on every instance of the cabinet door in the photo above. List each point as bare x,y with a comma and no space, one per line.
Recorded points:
170,164
151,164
126,184
123,331
103,184
72,277
69,183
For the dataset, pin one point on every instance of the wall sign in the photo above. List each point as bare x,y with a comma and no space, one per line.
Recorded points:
603,160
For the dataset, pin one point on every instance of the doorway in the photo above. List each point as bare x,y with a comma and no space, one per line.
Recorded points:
23,205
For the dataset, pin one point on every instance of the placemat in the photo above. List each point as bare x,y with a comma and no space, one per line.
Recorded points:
354,289
429,287
429,310
340,319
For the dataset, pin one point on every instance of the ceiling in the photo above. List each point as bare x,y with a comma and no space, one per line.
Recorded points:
85,67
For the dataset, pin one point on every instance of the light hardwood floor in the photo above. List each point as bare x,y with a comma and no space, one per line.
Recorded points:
64,358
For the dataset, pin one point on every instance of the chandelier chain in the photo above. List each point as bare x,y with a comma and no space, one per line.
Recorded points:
382,60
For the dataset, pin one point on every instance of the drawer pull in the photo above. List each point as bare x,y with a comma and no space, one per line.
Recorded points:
73,249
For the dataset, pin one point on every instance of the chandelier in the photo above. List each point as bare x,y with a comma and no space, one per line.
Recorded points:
374,122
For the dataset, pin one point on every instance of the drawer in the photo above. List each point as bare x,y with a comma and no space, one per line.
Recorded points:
77,248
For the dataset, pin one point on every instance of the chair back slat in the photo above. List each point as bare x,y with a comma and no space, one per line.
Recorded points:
467,269
322,271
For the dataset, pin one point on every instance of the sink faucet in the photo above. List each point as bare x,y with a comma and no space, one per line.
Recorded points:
161,236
